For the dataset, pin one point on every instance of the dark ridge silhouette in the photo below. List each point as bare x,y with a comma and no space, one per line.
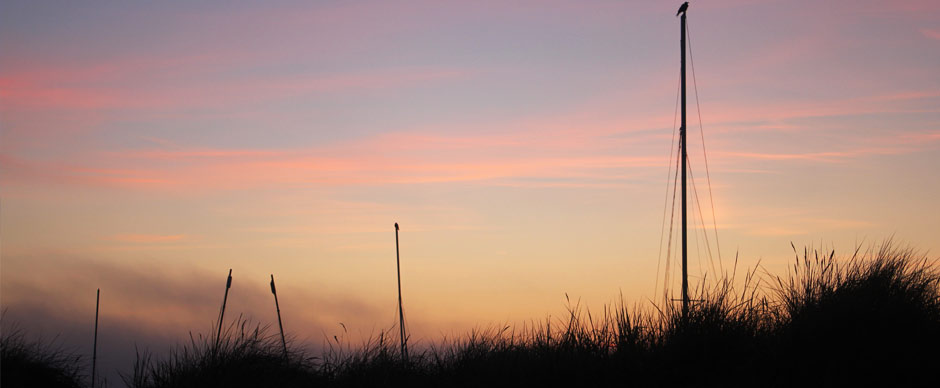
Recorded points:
871,318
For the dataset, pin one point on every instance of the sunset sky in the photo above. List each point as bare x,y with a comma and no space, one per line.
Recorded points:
146,148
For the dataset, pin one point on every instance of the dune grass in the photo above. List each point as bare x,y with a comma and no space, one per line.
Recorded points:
38,363
245,356
869,318
873,317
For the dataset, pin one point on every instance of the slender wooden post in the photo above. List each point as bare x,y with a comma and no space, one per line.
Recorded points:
279,323
228,284
94,349
401,314
682,144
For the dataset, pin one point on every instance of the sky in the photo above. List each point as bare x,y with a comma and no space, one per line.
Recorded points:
523,147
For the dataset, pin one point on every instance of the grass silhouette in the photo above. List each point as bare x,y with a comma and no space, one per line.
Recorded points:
37,364
869,318
246,356
880,310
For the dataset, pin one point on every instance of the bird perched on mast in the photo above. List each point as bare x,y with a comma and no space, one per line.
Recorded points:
682,8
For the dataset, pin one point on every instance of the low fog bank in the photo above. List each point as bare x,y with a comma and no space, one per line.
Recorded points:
51,299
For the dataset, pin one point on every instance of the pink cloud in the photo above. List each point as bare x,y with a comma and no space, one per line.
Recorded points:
582,147
877,146
554,153
773,115
174,75
814,156
20,91
930,34
147,238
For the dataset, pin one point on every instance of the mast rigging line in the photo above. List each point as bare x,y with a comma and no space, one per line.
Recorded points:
698,108
669,174
697,203
671,229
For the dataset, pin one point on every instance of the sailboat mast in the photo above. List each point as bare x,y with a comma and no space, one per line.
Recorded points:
682,148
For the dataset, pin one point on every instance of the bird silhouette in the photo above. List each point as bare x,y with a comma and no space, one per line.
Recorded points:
396,226
682,8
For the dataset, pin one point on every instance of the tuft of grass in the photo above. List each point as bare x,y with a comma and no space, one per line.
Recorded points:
377,362
246,356
874,314
725,333
37,364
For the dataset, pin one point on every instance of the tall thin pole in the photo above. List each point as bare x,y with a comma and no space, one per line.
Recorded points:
401,313
279,323
682,145
94,349
228,284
